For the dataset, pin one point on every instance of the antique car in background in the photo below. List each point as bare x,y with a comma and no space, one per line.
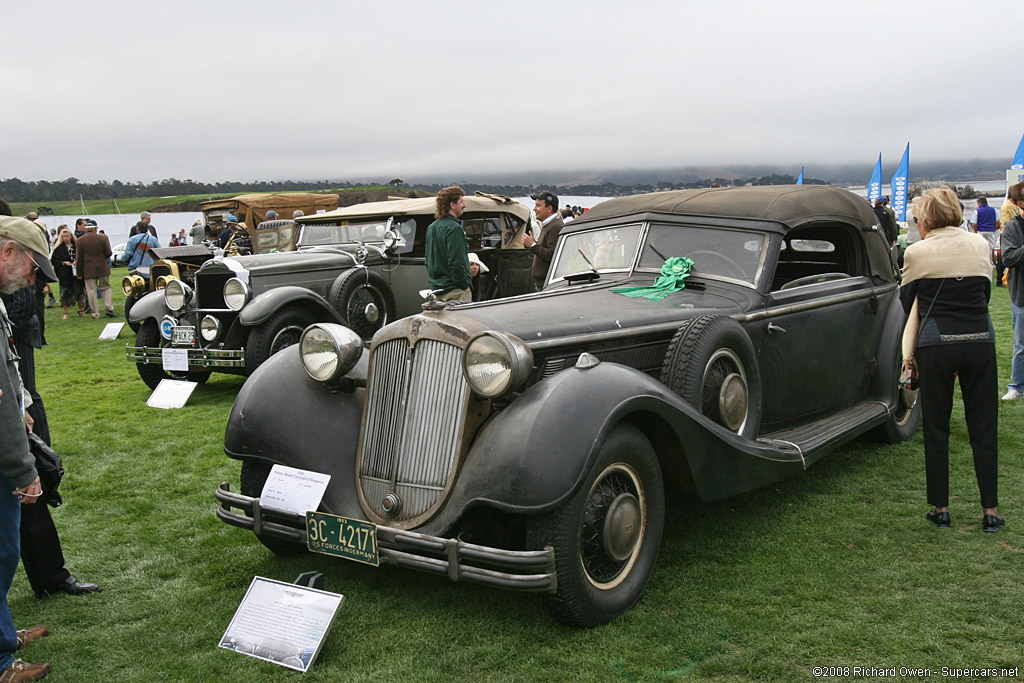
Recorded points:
252,209
360,266
524,442
170,263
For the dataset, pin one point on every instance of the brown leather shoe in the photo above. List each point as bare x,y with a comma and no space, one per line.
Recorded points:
26,636
23,671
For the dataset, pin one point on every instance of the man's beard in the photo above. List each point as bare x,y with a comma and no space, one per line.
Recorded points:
12,283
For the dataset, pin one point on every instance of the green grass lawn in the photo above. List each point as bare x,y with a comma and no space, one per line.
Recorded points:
835,567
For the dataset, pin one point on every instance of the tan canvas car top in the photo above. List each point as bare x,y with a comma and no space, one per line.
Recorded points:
254,206
424,205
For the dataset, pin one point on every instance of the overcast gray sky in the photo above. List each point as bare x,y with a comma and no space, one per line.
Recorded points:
272,90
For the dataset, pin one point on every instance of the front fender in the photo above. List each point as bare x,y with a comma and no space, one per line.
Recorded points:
266,304
283,416
149,306
534,455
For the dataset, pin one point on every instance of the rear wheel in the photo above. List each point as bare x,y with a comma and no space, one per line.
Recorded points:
254,476
606,537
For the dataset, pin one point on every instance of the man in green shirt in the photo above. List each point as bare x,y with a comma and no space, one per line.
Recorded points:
448,249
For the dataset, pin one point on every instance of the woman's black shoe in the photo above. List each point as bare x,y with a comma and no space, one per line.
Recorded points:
991,523
941,519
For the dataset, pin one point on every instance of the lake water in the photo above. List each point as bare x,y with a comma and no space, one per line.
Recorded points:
116,226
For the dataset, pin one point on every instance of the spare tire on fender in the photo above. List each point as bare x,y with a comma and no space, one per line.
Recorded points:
364,300
711,364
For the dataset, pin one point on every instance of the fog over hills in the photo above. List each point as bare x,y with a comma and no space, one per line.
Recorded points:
838,174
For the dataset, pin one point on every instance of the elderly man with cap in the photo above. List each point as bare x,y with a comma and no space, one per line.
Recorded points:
24,255
543,246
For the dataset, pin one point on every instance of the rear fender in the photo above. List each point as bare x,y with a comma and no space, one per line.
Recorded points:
266,304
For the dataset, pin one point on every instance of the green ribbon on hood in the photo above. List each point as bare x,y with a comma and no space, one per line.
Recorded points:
673,274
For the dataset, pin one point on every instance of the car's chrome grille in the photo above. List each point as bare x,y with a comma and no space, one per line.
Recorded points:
415,409
210,290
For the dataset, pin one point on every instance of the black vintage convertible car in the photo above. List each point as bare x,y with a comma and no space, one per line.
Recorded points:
527,443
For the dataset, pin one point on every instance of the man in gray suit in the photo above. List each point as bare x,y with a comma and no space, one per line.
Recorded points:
543,245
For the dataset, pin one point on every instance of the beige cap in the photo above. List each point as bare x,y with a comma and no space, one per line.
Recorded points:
28,235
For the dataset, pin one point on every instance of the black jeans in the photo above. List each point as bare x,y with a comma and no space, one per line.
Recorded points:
975,364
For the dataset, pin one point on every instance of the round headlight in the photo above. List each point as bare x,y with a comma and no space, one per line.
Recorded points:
133,285
177,294
236,294
162,281
329,351
390,239
496,363
209,327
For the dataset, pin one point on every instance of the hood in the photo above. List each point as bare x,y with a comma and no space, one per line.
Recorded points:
300,261
590,309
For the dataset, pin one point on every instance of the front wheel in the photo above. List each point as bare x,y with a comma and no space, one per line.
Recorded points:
904,418
282,330
606,537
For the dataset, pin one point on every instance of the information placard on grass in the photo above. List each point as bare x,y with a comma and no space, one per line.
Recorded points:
282,623
111,330
171,393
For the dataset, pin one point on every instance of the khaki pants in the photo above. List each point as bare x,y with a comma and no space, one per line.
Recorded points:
456,295
103,283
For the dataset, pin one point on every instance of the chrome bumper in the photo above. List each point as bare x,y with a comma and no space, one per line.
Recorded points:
205,358
530,570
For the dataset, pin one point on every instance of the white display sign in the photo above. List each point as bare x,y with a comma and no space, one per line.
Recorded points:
171,393
175,360
111,330
282,623
1014,176
291,490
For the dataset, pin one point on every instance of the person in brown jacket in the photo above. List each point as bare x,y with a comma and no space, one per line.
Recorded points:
92,263
543,245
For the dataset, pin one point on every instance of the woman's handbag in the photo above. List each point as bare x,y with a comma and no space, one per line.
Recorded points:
909,376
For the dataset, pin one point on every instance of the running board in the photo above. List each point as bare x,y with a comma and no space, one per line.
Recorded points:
815,439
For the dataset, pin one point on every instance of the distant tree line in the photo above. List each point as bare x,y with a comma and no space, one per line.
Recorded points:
16,190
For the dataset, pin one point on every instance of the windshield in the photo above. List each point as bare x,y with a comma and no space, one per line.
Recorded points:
604,250
317,234
715,252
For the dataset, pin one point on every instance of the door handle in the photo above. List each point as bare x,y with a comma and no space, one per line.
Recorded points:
772,327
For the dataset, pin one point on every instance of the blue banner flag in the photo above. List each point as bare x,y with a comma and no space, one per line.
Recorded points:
1018,158
875,186
800,180
899,186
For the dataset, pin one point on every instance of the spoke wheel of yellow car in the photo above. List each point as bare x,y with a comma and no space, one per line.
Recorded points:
254,476
364,300
606,536
153,373
282,330
711,364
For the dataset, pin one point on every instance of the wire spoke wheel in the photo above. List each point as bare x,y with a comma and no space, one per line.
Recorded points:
613,522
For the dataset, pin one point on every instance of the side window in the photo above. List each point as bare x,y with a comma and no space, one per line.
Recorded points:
483,232
406,231
817,254
512,226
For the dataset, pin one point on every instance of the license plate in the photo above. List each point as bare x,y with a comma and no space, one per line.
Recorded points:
183,335
352,539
